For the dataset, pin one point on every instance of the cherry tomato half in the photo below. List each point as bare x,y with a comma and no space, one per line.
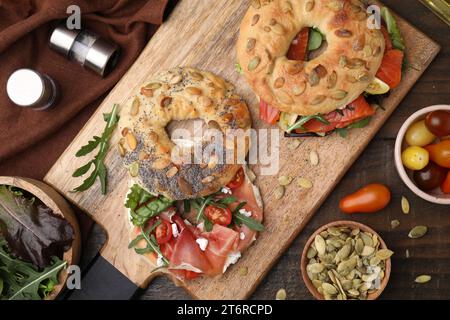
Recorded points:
445,187
438,122
440,153
218,215
238,179
163,232
429,177
371,198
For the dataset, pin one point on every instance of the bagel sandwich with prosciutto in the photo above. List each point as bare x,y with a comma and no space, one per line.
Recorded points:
188,219
316,65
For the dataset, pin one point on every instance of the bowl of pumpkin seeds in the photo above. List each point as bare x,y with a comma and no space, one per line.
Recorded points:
346,260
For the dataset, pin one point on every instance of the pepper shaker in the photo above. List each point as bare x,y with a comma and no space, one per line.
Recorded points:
28,88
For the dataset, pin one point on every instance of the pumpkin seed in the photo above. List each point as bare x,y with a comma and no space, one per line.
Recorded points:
193,91
319,242
243,271
305,183
251,42
405,205
332,79
122,150
328,288
367,251
299,89
293,144
314,78
367,51
384,254
317,283
131,141
281,295
255,19
335,5
423,279
134,169
135,107
309,5
255,4
311,253
254,63
407,255
251,175
395,224
176,79
418,232
339,95
318,100
314,158
172,172
279,192
284,97
316,268
343,33
279,82
286,6
285,180
294,68
278,29
165,102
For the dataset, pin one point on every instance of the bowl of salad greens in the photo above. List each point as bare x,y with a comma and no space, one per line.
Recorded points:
39,240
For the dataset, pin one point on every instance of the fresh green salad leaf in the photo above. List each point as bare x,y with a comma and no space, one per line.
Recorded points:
22,281
393,30
102,143
152,244
299,124
33,232
343,132
144,206
238,68
315,39
252,224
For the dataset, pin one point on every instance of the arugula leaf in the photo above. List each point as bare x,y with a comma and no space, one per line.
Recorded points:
249,222
102,143
144,206
299,124
393,30
21,280
343,132
238,68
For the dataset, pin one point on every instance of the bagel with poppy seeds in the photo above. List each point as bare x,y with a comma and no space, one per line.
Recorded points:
328,82
175,95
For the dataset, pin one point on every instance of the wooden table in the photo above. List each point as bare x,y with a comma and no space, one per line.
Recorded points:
429,255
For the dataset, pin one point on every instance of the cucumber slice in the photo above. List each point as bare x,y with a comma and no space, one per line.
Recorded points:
315,40
377,87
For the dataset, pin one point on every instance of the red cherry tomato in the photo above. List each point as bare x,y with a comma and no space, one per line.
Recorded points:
429,177
218,215
371,198
238,179
163,232
445,187
438,122
440,153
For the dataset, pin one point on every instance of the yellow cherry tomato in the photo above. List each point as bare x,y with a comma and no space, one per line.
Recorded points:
415,158
419,135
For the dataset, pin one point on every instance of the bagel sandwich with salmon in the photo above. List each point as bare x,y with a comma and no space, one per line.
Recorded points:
315,63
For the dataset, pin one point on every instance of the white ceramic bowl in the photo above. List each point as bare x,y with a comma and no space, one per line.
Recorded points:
435,196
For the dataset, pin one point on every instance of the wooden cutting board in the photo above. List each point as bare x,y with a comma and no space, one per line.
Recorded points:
204,35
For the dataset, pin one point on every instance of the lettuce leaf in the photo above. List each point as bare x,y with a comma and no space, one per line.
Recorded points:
393,30
33,232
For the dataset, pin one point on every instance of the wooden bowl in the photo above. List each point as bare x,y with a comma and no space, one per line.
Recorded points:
435,196
56,202
352,225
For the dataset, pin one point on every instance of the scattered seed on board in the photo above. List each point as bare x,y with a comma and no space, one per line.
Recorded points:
243,271
418,232
313,158
395,224
304,183
251,175
285,180
423,279
293,144
407,255
281,295
279,192
405,205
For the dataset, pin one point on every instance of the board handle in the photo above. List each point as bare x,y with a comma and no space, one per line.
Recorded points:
102,281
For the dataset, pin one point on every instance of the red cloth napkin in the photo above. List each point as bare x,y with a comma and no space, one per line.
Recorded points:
31,141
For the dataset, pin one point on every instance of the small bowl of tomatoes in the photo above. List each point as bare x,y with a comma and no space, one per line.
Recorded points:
422,153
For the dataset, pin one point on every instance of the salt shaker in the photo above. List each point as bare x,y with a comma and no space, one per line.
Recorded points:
85,48
28,88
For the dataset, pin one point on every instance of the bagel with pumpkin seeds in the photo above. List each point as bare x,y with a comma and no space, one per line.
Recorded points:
327,82
176,95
